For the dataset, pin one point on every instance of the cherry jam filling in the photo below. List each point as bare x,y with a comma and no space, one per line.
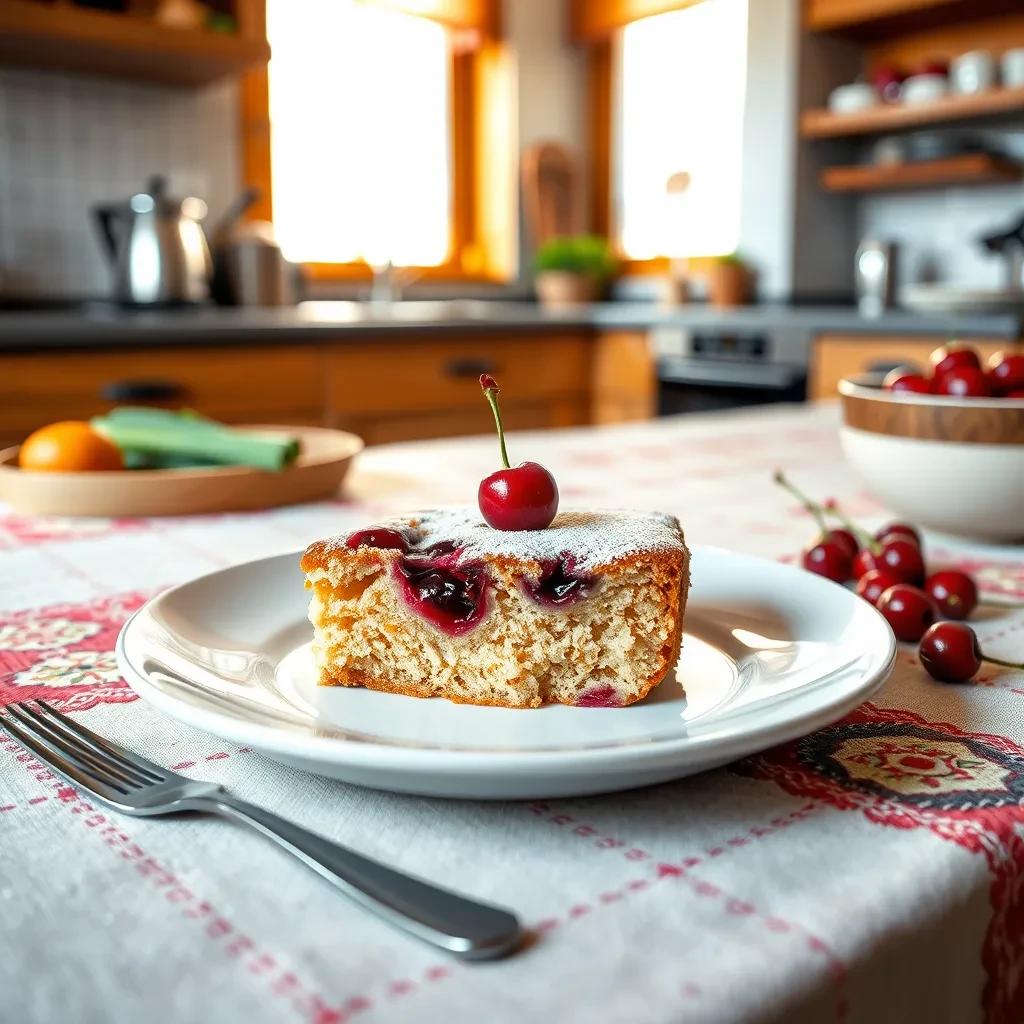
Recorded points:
378,537
599,697
560,584
451,597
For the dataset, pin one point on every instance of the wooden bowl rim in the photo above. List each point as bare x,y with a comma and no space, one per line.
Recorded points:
869,386
349,446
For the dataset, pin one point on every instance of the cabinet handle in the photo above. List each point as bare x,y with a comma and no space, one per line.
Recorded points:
469,367
147,390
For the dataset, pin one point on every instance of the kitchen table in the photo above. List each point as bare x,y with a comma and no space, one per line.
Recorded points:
871,872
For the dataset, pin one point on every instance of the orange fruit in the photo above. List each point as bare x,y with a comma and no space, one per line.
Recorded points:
68,447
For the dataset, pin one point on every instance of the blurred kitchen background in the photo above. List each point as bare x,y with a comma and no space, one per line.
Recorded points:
620,208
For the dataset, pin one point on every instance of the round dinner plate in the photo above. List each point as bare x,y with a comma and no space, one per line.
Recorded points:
769,653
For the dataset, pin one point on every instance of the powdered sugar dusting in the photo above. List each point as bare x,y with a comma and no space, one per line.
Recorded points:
593,538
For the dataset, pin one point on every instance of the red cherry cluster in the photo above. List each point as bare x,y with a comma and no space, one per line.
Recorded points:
890,573
955,369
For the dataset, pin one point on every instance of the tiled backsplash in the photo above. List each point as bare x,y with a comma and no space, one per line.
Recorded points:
67,142
937,231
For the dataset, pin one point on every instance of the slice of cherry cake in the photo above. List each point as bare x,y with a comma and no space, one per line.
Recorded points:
588,611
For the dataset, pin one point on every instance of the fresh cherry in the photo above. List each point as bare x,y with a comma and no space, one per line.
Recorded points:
905,529
952,357
377,537
963,382
898,555
1006,372
523,498
908,610
951,653
953,592
828,558
903,379
874,583
845,539
902,557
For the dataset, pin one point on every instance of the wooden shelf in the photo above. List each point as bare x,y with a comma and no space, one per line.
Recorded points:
965,169
879,19
824,124
72,38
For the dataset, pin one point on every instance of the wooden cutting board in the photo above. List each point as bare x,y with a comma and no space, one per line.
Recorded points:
551,192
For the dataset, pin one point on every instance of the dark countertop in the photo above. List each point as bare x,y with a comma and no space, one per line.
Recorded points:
102,326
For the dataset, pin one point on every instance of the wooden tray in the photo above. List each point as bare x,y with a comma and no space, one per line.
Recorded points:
323,461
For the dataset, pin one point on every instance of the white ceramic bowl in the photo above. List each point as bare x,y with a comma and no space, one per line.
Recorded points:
847,99
955,465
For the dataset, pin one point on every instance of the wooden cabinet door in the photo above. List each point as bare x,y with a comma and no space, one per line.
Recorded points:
279,384
399,390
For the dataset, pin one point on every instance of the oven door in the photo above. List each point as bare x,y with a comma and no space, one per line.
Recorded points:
704,385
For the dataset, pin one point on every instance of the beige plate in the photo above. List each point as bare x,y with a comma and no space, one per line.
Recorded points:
323,461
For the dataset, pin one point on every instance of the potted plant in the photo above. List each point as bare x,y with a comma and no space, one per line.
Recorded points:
572,269
729,281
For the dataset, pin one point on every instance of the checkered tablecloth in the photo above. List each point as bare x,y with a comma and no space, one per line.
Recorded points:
872,872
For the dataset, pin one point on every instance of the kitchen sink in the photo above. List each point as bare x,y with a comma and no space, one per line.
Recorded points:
410,311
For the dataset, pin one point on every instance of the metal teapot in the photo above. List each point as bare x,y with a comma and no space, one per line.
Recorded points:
157,248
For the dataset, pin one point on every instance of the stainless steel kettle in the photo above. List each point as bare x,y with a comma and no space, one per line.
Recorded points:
157,248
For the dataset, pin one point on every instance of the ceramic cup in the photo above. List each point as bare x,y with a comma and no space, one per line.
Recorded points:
923,89
974,71
1012,68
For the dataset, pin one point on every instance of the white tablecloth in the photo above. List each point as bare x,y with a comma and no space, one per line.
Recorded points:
872,872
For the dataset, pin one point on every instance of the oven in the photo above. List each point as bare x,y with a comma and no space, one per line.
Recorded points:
701,370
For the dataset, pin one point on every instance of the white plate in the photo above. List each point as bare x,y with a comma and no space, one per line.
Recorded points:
769,653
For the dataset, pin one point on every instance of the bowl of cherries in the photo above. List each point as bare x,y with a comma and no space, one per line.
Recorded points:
924,605
944,447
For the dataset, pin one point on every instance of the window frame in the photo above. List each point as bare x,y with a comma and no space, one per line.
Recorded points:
601,71
472,257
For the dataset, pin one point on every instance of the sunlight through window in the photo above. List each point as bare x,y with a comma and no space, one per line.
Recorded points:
360,133
679,131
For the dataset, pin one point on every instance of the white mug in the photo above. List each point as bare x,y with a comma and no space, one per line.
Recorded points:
1013,68
974,71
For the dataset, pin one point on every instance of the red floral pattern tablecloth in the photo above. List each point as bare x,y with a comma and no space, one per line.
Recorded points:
873,871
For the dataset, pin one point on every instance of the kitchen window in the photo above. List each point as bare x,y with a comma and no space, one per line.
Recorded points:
668,94
370,148
361,134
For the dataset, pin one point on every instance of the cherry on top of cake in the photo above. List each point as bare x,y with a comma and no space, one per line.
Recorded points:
524,497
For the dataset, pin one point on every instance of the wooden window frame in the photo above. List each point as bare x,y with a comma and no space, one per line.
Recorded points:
480,249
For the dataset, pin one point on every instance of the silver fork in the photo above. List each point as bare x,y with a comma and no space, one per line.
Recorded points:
132,785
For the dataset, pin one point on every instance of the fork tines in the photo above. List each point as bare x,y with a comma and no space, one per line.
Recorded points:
89,760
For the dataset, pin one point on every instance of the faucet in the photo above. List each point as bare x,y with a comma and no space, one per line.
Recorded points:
389,281
1010,245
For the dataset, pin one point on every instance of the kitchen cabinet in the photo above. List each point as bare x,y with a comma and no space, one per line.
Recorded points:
384,387
130,45
275,384
835,356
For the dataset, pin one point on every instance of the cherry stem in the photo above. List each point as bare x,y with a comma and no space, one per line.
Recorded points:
1004,664
491,394
811,506
859,532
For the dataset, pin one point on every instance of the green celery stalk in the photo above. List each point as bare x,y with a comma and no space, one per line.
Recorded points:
156,432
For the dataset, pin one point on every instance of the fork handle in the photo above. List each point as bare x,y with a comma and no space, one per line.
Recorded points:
471,930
